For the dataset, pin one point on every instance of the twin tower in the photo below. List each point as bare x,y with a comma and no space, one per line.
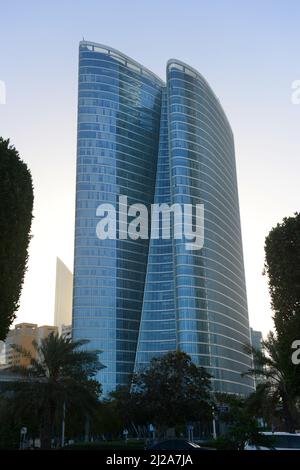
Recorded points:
157,142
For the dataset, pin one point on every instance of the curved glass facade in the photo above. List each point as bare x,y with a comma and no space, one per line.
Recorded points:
158,323
157,143
211,305
119,106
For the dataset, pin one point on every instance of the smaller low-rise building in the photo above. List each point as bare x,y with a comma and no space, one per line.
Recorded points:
23,336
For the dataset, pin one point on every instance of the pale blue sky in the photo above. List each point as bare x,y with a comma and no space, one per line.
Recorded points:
247,50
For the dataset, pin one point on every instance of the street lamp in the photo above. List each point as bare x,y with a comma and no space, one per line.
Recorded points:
214,423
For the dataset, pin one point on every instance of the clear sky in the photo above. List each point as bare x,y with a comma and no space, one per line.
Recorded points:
247,50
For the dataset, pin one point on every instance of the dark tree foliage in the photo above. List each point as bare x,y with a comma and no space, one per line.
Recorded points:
62,373
265,403
11,422
16,204
171,391
280,379
282,265
242,427
127,408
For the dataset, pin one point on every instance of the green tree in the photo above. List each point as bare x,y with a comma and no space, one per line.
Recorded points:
104,421
282,265
16,204
171,391
242,426
12,422
61,375
107,420
125,405
279,379
264,404
280,388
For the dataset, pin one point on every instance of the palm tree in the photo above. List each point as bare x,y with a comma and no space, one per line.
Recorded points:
59,376
278,385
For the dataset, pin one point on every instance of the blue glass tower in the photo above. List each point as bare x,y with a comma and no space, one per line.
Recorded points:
158,324
157,143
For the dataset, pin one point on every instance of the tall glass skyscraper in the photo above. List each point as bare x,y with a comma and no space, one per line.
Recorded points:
157,142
